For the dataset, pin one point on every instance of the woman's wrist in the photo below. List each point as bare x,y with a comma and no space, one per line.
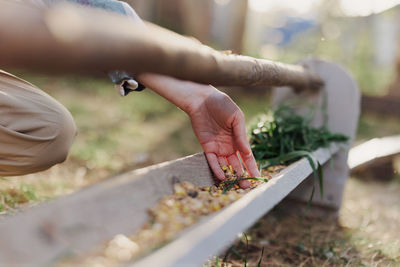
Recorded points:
186,95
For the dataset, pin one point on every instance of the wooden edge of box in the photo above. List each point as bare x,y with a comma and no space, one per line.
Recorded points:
215,232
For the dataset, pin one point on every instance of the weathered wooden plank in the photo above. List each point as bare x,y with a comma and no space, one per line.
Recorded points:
215,232
75,223
374,149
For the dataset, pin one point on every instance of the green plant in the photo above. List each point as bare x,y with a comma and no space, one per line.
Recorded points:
284,137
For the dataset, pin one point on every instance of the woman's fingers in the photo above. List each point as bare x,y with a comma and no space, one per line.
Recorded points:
215,167
244,148
238,167
250,164
236,164
222,161
244,184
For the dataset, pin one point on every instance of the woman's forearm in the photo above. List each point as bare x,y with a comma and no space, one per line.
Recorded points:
184,94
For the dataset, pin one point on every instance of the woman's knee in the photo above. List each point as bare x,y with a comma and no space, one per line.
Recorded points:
36,131
29,152
65,137
56,148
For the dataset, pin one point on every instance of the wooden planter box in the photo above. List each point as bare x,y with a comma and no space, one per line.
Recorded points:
81,221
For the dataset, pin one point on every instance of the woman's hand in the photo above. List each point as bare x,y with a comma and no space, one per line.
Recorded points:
217,121
219,125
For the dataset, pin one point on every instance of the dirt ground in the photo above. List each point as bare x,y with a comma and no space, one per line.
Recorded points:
365,234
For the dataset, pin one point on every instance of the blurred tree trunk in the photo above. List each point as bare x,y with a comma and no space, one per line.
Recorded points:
190,17
239,14
221,24
197,18
394,88
229,24
169,14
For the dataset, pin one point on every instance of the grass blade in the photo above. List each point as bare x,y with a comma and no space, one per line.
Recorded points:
311,198
261,258
321,179
247,250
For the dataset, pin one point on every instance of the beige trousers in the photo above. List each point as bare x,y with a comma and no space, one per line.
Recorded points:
36,131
